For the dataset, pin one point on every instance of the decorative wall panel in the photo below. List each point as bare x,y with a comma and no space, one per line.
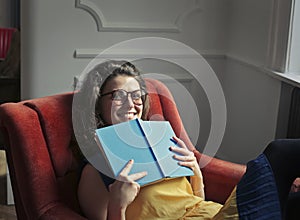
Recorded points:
138,15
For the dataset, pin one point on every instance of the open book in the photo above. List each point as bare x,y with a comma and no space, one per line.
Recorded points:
147,143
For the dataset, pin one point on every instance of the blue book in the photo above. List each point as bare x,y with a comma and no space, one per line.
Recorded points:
147,143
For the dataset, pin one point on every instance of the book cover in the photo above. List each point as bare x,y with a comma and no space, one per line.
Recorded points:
147,143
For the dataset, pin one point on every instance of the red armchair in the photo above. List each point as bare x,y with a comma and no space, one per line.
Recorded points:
44,171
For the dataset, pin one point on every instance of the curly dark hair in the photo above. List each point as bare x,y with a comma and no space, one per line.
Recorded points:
86,113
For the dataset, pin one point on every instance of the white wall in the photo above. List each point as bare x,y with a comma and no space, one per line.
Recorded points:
252,96
53,30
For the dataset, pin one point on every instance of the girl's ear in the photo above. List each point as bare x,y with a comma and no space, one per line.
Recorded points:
97,77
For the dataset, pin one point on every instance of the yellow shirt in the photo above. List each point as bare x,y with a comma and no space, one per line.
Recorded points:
170,199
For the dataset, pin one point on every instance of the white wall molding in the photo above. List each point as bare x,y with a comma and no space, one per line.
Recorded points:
103,24
287,77
244,62
291,78
136,53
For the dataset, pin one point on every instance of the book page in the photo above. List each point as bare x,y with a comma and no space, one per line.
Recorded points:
159,135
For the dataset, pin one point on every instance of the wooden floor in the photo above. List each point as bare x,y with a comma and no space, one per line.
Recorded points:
7,212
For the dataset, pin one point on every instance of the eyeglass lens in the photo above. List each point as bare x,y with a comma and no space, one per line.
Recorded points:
120,96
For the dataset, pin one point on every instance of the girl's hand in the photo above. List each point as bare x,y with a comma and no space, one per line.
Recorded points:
124,190
188,159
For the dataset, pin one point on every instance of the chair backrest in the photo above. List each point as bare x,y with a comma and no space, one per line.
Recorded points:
5,40
43,169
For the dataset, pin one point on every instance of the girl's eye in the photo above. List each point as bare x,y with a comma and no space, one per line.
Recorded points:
136,95
119,94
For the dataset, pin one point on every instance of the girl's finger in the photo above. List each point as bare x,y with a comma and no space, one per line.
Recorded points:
137,176
187,164
179,142
127,168
184,158
182,151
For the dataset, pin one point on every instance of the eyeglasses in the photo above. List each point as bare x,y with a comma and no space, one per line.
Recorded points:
120,96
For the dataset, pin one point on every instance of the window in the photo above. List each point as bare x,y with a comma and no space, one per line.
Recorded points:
293,56
284,38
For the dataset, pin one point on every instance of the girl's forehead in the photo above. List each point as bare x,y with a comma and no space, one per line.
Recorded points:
122,82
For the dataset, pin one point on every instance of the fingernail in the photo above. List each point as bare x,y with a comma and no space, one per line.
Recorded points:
170,149
175,142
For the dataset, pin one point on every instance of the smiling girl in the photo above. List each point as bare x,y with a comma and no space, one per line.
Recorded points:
117,93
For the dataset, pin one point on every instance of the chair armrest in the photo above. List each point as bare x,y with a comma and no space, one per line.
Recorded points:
220,177
33,178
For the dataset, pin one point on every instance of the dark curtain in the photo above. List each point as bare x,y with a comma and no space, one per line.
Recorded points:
294,115
15,13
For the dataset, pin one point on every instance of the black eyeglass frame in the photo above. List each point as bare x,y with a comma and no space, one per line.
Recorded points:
143,93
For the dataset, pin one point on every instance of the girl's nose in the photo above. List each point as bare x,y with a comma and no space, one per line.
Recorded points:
129,101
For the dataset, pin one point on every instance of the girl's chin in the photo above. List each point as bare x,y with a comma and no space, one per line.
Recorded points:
130,118
126,118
